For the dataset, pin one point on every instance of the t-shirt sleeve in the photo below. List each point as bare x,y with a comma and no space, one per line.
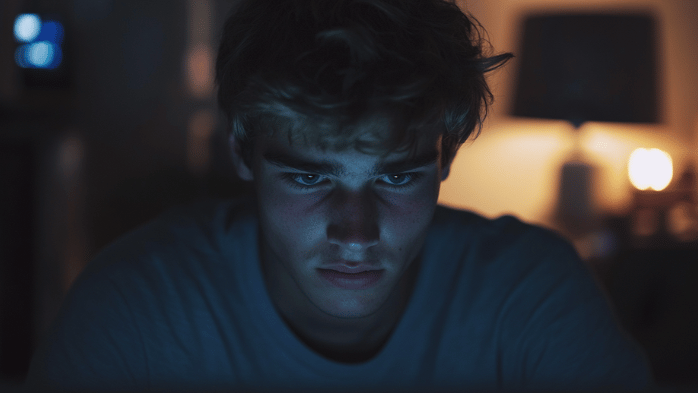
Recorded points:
94,344
563,330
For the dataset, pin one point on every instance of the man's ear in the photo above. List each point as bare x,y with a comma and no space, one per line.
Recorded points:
445,172
446,169
244,171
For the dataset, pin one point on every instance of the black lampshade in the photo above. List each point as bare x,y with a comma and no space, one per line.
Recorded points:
588,67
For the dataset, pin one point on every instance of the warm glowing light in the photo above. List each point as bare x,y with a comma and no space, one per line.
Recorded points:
27,27
650,169
200,71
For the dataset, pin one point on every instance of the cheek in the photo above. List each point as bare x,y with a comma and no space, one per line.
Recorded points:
288,216
409,216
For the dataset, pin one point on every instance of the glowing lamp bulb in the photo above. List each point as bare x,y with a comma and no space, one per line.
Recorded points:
650,169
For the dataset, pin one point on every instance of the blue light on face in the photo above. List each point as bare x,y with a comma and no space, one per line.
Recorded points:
27,27
43,48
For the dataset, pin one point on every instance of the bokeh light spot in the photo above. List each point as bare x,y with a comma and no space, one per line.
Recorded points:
650,169
27,27
40,54
200,71
51,31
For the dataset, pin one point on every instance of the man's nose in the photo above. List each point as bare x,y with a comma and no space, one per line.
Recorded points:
354,221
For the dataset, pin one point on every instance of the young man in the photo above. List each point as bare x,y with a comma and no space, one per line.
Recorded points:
341,272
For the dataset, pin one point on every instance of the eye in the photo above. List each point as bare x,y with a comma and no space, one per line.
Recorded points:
303,179
308,179
400,179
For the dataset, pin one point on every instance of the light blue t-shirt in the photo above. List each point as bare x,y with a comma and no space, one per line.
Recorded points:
181,304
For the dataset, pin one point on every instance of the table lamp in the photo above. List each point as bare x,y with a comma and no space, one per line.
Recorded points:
582,67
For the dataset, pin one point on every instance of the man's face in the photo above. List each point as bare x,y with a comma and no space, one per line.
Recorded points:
339,229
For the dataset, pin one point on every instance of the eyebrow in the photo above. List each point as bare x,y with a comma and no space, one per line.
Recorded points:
326,168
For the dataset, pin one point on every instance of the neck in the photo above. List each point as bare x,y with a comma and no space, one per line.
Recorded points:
343,340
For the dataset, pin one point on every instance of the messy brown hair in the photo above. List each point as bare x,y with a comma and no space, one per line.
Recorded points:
375,75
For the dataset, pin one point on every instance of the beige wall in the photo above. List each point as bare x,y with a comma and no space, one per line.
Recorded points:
513,166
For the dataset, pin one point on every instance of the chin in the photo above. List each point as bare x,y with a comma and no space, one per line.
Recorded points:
354,305
350,313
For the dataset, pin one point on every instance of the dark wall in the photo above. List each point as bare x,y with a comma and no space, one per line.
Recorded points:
120,115
16,268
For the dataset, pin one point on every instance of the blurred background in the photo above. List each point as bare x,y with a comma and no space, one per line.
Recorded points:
108,117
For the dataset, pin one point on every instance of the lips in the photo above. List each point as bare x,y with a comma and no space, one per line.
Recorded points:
361,277
347,268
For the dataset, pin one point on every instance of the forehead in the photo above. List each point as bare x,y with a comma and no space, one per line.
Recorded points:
377,130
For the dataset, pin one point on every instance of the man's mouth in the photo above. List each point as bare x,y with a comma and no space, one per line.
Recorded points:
351,267
361,277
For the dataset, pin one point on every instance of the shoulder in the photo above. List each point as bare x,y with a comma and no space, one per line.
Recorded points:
205,226
510,266
168,258
140,294
508,225
552,320
186,243
498,260
502,238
